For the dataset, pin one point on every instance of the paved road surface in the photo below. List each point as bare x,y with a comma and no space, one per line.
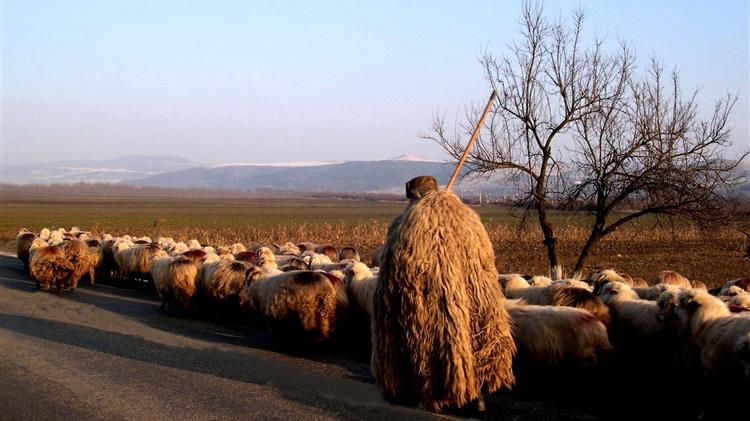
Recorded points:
107,352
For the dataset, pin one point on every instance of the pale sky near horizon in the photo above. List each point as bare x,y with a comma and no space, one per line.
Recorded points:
295,81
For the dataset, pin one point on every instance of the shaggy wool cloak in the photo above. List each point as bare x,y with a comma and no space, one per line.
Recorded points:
440,334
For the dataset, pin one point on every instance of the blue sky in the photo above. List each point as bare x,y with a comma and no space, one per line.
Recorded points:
288,81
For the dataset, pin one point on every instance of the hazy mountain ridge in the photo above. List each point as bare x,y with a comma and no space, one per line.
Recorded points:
349,176
117,170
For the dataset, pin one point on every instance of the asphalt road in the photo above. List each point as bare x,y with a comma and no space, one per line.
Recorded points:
108,352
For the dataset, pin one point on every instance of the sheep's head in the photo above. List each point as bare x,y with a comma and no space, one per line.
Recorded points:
237,248
540,281
733,291
266,256
667,304
512,281
614,292
44,233
696,307
210,258
356,271
37,244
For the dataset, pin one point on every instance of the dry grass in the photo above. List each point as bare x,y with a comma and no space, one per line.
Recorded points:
641,249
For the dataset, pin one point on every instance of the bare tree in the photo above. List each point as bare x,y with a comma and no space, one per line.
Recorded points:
579,128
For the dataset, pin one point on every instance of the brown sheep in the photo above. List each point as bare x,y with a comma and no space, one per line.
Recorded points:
292,302
439,336
83,260
673,278
294,264
327,250
246,256
175,281
221,281
48,265
196,255
136,260
348,253
23,244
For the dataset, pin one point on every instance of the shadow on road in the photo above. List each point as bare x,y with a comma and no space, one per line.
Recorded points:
294,384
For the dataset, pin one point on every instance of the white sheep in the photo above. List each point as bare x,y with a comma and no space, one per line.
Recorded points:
556,338
178,248
512,281
717,335
289,249
540,281
635,323
653,292
361,283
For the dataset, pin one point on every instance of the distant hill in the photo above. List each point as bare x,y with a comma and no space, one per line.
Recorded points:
349,176
94,171
379,176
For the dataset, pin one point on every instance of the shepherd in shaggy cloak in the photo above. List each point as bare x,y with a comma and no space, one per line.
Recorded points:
440,334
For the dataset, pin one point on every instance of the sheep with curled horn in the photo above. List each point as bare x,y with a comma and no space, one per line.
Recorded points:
24,238
48,265
299,304
440,337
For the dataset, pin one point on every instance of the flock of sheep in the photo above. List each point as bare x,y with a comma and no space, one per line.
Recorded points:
676,327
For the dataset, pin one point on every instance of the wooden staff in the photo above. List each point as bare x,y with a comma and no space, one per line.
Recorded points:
471,141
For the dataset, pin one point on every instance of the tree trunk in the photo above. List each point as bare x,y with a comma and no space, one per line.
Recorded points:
594,237
550,241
